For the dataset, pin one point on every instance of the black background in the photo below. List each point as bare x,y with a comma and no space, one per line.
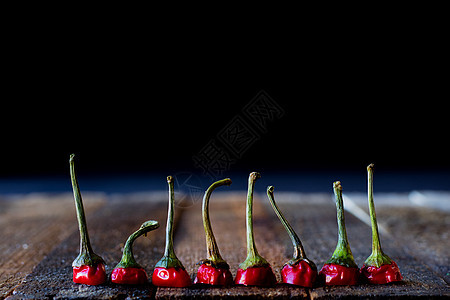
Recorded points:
150,103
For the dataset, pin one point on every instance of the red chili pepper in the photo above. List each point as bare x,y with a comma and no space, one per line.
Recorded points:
213,270
383,274
208,274
169,271
129,276
259,276
378,267
88,267
341,268
128,271
301,273
299,270
255,270
335,274
91,275
170,277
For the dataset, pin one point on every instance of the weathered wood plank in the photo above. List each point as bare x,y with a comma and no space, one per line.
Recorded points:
30,226
313,216
109,229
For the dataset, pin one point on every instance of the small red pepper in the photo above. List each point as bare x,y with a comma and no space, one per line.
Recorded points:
335,274
169,271
255,270
299,270
384,274
341,268
207,274
213,270
258,276
302,273
91,275
170,277
88,267
128,271
378,267
129,275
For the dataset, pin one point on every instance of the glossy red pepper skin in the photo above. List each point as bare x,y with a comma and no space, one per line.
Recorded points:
129,276
207,274
301,274
258,276
90,275
334,274
385,274
171,277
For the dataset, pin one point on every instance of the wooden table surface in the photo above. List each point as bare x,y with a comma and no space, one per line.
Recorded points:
39,240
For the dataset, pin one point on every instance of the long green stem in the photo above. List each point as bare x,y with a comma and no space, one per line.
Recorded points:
169,251
214,258
86,256
253,258
377,258
299,252
128,260
170,260
343,254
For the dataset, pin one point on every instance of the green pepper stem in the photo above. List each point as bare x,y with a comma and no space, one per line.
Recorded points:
299,252
377,257
128,260
169,251
212,249
343,254
87,255
253,258
169,259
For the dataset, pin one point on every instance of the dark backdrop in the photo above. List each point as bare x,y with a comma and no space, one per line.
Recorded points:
149,107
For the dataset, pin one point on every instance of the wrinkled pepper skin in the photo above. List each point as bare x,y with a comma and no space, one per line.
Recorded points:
301,274
129,276
90,275
257,276
334,274
171,277
382,275
214,276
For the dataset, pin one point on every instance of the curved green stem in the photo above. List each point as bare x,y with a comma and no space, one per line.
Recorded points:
343,254
299,252
170,260
253,258
127,260
86,256
377,258
214,258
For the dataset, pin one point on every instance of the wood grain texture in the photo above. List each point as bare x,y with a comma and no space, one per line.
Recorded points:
113,218
31,226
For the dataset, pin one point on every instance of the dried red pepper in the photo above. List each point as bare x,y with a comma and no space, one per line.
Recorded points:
255,270
88,267
299,270
213,270
378,267
341,268
169,271
128,271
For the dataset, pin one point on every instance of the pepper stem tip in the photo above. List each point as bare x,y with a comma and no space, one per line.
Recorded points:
337,185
